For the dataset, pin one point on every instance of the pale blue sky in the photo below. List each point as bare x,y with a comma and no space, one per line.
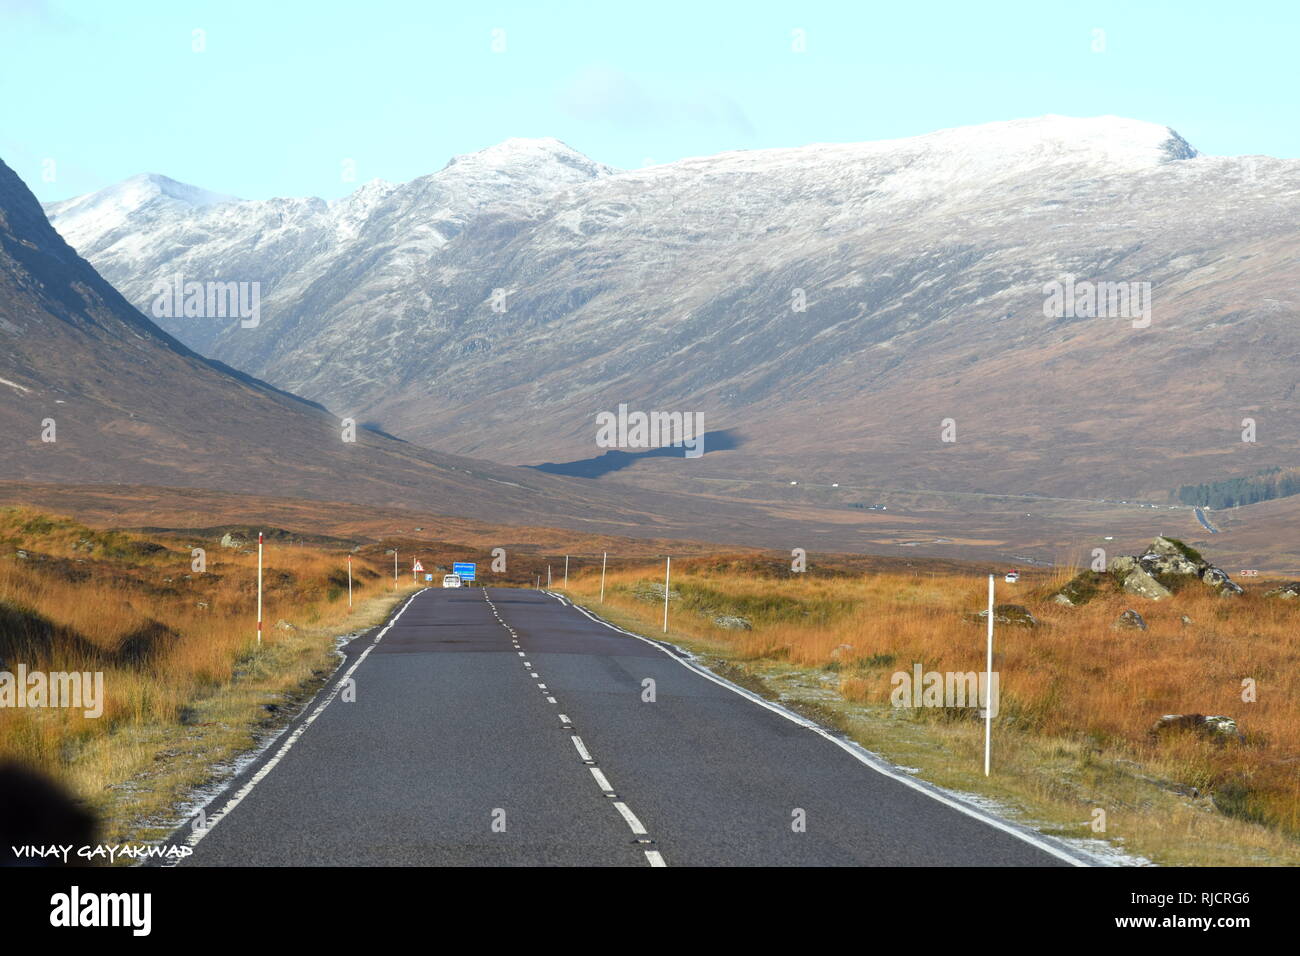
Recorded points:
284,91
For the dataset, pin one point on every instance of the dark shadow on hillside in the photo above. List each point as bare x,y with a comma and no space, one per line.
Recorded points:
34,640
616,459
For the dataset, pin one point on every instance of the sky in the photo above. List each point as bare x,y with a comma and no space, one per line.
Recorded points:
287,98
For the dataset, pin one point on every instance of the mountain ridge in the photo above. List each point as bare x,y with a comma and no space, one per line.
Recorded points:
922,261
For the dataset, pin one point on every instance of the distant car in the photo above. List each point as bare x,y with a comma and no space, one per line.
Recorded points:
1013,577
451,580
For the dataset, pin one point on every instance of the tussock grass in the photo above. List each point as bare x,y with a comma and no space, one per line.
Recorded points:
1078,697
186,684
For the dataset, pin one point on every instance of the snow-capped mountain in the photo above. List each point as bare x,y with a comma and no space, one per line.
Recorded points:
832,303
93,393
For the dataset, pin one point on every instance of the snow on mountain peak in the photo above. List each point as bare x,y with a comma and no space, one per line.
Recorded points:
136,191
151,185
533,155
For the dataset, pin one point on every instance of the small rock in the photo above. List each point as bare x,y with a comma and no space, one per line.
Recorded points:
283,625
1187,621
1130,619
1215,727
733,623
233,539
203,605
21,554
1016,615
1287,592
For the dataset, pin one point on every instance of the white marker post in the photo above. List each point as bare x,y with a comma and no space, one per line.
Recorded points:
349,582
566,572
394,569
668,574
548,577
259,587
604,558
988,686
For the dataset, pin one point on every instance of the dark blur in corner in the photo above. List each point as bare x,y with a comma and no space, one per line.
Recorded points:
35,811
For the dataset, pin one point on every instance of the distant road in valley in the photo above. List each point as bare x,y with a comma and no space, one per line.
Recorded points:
1205,522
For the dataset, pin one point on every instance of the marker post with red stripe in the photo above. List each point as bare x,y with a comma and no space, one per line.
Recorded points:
349,582
259,587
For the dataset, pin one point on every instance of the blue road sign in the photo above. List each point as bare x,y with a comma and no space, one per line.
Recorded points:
465,569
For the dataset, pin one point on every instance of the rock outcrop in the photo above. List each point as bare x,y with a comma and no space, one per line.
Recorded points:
1166,567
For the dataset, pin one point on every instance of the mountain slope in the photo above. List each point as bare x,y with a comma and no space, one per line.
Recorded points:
130,404
923,263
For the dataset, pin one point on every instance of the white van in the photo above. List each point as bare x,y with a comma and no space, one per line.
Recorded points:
451,580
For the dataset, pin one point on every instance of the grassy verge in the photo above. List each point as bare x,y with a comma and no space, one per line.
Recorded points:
187,686
1079,697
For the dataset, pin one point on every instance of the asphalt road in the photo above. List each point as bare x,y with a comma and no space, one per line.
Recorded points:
1205,522
506,727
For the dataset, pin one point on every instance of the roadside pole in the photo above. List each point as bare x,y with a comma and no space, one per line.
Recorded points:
604,557
259,587
668,574
566,572
394,569
988,685
548,577
349,582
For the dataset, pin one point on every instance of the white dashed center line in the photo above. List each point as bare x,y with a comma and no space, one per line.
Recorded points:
653,857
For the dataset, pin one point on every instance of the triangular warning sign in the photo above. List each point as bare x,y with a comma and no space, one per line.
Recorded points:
418,566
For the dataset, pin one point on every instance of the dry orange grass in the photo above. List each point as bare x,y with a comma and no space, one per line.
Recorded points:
1074,678
166,638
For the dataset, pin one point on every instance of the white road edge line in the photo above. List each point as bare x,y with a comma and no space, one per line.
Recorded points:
212,821
601,780
863,755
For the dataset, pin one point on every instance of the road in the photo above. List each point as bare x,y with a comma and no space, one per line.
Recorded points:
1205,522
506,727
